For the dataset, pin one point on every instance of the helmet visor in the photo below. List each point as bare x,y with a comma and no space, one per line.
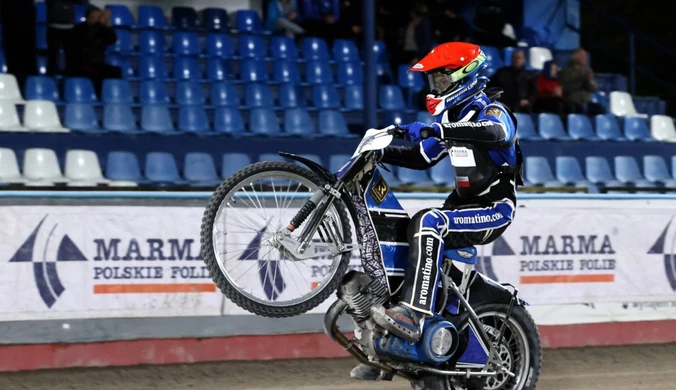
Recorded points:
441,81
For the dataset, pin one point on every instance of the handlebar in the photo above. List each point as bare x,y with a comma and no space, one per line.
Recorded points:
398,132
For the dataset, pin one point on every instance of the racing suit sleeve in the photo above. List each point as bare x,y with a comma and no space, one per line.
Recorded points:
422,156
490,130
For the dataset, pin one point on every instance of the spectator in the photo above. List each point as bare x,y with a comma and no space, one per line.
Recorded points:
88,47
518,84
18,31
60,23
283,17
491,20
418,37
351,20
550,94
320,19
577,80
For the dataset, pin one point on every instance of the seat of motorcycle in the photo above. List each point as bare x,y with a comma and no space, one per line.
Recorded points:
463,255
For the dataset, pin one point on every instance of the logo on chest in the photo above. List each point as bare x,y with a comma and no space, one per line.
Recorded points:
462,157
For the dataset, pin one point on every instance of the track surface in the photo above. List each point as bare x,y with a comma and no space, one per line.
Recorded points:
634,367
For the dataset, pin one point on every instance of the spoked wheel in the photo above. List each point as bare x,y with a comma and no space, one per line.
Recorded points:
239,238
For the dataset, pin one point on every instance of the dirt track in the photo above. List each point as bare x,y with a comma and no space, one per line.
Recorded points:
626,368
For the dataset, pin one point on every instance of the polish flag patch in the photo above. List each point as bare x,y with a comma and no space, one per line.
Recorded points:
462,181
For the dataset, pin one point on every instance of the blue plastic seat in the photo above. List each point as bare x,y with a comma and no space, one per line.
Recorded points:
258,95
151,67
228,120
215,19
493,57
219,45
251,46
345,50
189,93
551,127
123,63
3,62
569,172
199,170
263,121
224,94
297,121
412,81
116,91
286,71
252,71
119,118
414,177
151,42
655,170
396,118
193,119
350,73
184,18
332,123
271,157
41,12
384,73
580,127
41,88
233,162
79,90
599,172
41,37
123,44
41,63
120,15
336,161
187,68
539,173
157,119
291,96
628,172
151,17
325,96
636,129
391,98
442,173
161,169
123,166
425,117
602,99
248,21
526,127
81,117
282,47
607,128
315,49
153,92
380,50
186,43
354,97
318,72
219,69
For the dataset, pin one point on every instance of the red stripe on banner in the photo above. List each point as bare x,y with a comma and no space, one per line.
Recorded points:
551,279
153,288
291,346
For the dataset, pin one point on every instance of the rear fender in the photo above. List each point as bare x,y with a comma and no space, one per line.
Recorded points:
313,166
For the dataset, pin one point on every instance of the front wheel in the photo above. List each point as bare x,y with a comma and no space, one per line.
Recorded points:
239,232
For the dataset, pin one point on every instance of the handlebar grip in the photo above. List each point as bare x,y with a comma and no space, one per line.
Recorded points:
426,133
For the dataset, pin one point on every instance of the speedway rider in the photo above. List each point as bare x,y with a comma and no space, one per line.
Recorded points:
480,136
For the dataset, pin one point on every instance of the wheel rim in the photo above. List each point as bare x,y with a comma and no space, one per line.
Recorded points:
513,351
255,209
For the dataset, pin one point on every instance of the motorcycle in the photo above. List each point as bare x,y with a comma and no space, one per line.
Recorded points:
481,336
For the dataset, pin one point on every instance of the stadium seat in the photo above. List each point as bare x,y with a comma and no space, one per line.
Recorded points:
526,127
345,50
493,57
662,128
41,88
9,89
119,118
569,172
3,66
123,44
580,128
41,167
81,117
601,99
350,73
315,49
426,117
186,44
410,80
248,21
395,118
325,96
199,170
41,115
9,117
151,42
336,161
621,104
151,17
263,121
636,129
156,118
120,15
599,172
655,170
252,46
228,120
233,162
442,173
193,119
252,71
79,90
9,167
391,98
187,68
219,45
215,19
291,96
218,69
41,12
607,128
539,172
258,95
123,63
282,47
123,169
286,71
318,72
384,73
628,172
332,123
274,157
551,127
153,92
116,91
81,12
224,94
184,18
41,37
189,93
82,168
161,169
414,177
537,56
41,63
297,121
354,97
380,50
